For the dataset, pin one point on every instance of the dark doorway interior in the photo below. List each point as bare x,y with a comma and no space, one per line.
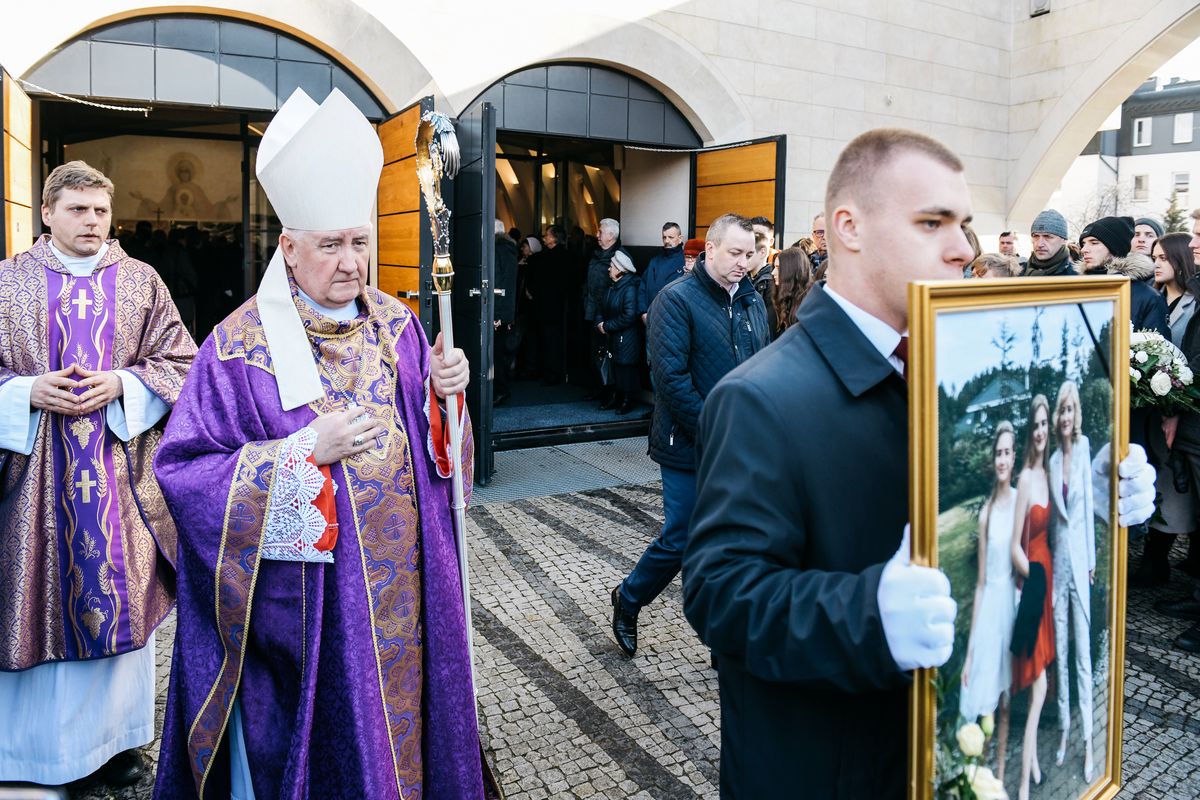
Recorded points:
186,200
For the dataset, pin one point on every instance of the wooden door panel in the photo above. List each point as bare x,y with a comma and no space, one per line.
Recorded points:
405,243
400,240
18,167
398,188
754,162
747,179
748,199
395,281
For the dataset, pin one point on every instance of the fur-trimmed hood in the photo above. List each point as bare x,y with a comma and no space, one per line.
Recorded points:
1135,265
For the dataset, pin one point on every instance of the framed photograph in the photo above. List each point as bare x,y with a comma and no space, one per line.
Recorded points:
1018,416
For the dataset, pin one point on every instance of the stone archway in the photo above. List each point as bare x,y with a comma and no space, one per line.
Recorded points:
1103,85
342,29
674,67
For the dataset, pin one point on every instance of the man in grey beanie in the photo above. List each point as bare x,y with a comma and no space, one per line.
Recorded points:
1050,257
1146,230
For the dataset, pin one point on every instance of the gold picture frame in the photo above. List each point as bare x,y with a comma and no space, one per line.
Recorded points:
947,307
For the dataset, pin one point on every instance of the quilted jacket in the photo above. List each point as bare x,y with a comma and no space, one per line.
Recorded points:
597,279
696,335
621,325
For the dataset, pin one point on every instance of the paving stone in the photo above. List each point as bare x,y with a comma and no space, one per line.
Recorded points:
564,714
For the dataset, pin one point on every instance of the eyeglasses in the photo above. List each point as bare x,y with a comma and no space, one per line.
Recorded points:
819,233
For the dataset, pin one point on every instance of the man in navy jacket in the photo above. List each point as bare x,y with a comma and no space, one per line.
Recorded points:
701,326
796,571
664,267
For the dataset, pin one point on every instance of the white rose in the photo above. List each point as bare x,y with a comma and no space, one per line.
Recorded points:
985,785
1141,357
1160,384
1133,373
970,740
1185,376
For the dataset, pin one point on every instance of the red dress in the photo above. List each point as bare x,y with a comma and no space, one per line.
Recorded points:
1036,539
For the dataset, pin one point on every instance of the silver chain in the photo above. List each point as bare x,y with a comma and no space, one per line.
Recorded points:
145,110
686,149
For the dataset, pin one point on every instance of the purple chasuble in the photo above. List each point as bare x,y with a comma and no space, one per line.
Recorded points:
353,677
85,537
95,597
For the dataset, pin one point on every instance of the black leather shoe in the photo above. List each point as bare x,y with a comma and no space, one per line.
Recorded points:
1189,640
1190,565
123,769
611,402
1183,608
1150,574
625,407
624,624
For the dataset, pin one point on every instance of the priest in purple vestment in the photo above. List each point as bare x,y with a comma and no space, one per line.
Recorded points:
322,648
92,356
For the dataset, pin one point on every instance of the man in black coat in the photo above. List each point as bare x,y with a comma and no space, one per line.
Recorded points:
700,327
505,312
796,571
549,285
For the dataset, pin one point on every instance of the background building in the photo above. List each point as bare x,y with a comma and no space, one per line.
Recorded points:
646,110
1143,159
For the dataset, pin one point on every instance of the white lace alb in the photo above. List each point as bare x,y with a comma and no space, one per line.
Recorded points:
293,523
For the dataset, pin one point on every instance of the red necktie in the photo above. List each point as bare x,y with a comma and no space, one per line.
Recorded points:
901,352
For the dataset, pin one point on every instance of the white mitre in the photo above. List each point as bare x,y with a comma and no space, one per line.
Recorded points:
320,167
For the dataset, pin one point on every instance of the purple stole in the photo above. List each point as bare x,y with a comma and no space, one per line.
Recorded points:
95,598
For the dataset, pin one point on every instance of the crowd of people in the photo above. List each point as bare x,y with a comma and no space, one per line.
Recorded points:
202,270
550,283
287,486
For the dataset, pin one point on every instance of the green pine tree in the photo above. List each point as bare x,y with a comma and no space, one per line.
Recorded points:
1175,219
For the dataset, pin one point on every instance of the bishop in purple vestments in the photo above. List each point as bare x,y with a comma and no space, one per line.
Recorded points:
308,665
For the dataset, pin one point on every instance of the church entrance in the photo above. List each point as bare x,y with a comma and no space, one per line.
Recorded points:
172,109
567,145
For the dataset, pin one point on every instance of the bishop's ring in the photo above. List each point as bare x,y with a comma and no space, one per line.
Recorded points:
358,440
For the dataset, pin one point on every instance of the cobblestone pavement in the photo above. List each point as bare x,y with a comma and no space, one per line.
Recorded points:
564,714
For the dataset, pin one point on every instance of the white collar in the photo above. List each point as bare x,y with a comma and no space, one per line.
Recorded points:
80,266
343,314
883,337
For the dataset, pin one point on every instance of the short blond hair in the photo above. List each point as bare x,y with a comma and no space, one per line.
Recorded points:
74,175
867,154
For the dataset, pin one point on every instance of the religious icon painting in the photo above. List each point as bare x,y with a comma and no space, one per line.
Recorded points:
1019,397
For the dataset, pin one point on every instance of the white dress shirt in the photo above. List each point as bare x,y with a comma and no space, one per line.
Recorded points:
883,337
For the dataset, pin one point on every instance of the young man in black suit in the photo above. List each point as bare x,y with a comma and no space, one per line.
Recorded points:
796,571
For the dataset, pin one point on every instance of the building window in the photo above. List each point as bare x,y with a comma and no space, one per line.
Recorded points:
1141,188
1141,131
1183,128
1181,181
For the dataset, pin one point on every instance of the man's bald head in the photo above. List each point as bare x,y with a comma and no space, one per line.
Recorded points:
854,174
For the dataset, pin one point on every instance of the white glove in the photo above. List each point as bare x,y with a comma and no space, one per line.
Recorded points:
1135,489
916,610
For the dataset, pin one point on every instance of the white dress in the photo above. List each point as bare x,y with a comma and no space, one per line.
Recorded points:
990,670
61,721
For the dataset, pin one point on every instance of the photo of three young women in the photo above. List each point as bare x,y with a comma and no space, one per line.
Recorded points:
1032,628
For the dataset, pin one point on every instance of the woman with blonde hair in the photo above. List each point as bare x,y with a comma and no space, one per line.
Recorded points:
987,669
1033,631
793,272
1074,526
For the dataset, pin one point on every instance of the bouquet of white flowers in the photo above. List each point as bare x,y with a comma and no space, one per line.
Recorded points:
1159,375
